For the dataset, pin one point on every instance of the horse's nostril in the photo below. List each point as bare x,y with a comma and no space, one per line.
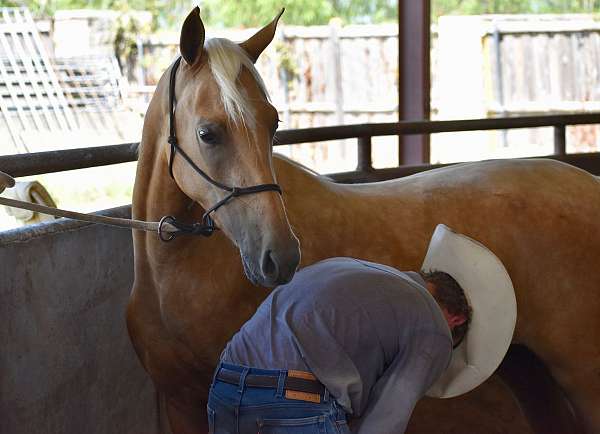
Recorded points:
278,266
269,266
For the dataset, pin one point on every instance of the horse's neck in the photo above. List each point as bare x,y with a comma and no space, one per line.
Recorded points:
317,209
156,193
344,220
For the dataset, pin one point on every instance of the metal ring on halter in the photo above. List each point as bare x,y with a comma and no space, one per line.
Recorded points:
171,235
209,223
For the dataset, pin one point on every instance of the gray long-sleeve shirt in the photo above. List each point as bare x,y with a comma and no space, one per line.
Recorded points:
373,335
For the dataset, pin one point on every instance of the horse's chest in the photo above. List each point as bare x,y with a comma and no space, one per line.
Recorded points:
166,359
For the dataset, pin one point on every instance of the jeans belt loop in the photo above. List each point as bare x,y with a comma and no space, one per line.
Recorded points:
326,395
281,383
216,373
242,384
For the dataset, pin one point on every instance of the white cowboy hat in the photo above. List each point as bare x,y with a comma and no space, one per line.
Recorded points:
490,293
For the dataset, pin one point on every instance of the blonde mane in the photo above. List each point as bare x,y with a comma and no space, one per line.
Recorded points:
226,59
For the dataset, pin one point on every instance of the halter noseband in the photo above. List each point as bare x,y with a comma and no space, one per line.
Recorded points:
207,227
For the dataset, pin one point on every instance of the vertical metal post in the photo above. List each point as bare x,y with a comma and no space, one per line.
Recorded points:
414,81
365,161
560,139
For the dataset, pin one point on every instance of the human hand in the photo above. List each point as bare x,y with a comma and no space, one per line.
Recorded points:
6,181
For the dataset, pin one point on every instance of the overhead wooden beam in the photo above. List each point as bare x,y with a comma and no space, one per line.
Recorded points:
414,22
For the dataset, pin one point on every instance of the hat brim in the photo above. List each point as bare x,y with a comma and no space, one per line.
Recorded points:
490,293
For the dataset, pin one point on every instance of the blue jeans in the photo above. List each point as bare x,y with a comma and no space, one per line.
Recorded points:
241,409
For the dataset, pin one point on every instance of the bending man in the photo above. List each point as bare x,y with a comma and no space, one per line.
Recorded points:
345,339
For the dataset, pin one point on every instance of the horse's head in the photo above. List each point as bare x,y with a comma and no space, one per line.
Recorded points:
225,125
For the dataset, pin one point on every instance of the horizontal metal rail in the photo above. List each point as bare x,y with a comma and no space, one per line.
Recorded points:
37,163
58,161
288,137
588,162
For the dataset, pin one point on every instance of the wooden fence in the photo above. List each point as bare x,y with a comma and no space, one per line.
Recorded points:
503,65
481,66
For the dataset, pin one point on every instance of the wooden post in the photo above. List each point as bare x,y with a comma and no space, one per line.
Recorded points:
414,22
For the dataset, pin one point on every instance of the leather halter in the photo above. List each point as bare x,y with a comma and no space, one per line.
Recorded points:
207,226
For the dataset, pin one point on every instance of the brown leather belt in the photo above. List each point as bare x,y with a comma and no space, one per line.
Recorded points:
295,381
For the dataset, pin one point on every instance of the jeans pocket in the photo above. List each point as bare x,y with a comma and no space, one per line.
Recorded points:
305,425
211,420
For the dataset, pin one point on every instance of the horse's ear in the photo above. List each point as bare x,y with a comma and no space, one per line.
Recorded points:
192,37
257,43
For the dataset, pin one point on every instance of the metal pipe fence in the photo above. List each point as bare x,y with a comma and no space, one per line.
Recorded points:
58,161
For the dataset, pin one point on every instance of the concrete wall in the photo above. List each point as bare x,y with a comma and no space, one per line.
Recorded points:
66,362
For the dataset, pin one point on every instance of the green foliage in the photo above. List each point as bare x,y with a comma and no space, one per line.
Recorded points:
475,7
250,13
234,13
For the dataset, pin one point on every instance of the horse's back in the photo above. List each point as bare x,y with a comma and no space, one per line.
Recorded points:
539,176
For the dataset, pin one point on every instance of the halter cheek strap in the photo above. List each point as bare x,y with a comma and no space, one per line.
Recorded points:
207,227
172,139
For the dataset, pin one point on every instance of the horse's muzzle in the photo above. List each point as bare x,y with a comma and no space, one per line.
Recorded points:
278,266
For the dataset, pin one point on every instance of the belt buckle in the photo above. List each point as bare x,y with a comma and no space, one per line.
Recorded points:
302,396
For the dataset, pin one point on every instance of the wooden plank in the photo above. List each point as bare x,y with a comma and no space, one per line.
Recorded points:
549,25
347,32
337,71
542,107
351,107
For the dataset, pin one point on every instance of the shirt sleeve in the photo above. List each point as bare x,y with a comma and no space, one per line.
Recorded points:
393,397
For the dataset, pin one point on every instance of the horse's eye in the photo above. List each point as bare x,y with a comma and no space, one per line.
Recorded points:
207,136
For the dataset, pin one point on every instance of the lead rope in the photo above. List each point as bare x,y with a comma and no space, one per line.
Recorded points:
164,225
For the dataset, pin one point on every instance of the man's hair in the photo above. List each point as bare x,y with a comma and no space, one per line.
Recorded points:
449,294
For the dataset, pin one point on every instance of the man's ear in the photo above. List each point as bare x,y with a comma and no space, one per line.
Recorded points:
454,320
191,40
261,39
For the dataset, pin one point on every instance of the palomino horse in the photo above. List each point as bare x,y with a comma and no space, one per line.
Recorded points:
191,295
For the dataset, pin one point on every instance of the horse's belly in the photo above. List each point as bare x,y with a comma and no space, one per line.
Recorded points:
489,409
